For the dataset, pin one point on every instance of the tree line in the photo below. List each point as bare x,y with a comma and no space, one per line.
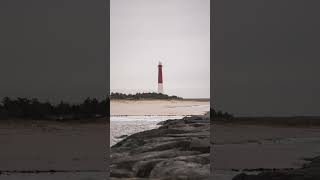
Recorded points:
24,108
150,95
220,114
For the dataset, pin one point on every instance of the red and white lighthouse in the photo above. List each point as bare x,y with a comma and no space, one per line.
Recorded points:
160,79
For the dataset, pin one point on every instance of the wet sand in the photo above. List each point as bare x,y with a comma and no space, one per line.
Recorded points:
38,148
239,147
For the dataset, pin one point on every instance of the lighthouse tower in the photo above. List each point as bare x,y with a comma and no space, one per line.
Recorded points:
160,80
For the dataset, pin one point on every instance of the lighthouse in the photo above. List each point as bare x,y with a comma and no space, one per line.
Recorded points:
160,79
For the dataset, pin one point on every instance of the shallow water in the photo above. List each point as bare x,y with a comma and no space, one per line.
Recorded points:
127,125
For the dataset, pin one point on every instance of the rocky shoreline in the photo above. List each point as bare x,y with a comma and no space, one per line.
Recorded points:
178,149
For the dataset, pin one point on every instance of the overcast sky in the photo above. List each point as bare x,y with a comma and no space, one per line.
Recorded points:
266,57
176,32
53,49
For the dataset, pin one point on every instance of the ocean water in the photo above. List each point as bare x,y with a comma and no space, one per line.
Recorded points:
121,126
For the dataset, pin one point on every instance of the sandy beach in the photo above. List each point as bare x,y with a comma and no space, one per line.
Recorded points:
159,107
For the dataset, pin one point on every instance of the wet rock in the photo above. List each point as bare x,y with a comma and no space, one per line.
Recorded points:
178,169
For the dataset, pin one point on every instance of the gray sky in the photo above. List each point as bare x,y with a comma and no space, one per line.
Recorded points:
176,32
53,49
266,57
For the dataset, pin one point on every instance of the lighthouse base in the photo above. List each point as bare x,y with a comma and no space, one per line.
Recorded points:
160,88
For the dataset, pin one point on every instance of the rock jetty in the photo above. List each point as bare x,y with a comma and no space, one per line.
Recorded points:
178,149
